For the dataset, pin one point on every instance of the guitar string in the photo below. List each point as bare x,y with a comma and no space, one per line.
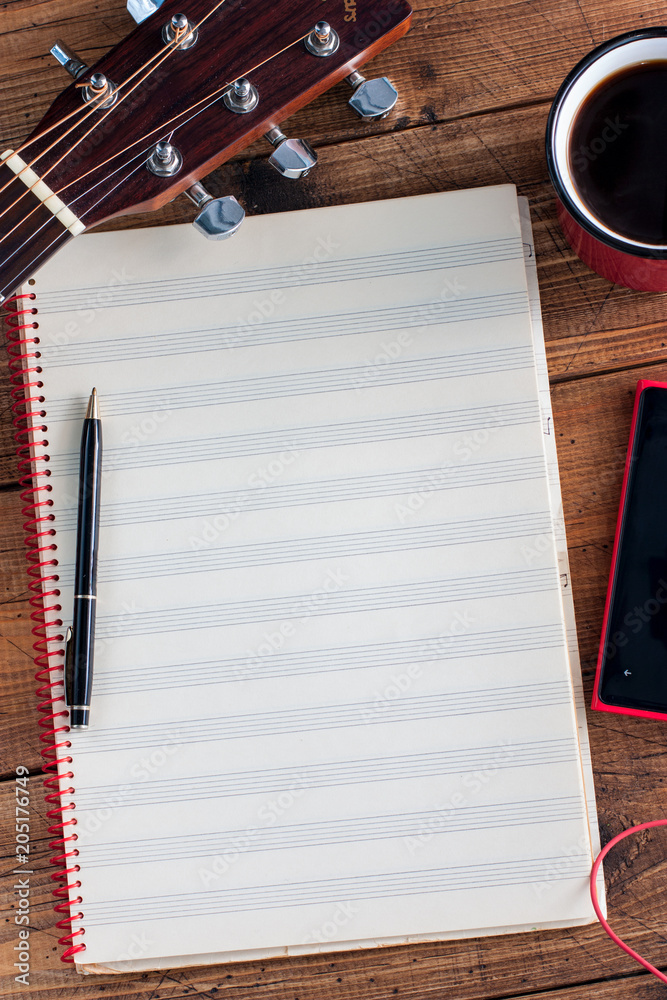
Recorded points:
139,156
168,48
85,108
64,232
162,55
173,47
211,99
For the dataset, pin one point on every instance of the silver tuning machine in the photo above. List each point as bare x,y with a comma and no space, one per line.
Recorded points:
68,59
100,92
242,97
141,9
181,31
372,99
322,41
165,160
218,218
292,158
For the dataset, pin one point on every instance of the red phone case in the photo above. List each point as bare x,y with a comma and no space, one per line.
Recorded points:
596,703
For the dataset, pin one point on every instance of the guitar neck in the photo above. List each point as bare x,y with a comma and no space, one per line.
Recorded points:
98,143
29,232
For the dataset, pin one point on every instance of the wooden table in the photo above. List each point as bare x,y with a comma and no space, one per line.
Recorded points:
476,78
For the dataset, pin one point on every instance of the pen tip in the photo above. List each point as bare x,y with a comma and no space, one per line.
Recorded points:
93,413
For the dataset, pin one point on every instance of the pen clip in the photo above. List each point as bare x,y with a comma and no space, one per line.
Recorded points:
69,656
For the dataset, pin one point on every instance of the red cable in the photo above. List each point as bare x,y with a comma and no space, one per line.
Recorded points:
44,585
594,895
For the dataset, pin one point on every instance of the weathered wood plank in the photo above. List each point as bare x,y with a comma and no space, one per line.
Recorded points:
17,678
8,471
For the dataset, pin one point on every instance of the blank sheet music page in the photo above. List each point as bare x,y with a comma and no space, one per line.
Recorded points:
332,700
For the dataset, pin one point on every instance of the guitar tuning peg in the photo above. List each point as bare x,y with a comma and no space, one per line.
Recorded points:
242,97
292,158
68,59
322,41
165,160
372,99
182,29
218,218
141,9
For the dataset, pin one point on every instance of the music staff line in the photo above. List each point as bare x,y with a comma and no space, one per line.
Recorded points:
366,376
489,875
326,774
329,435
242,334
302,606
323,717
391,826
267,278
153,677
274,495
358,543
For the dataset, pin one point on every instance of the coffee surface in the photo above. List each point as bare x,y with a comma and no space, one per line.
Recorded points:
618,152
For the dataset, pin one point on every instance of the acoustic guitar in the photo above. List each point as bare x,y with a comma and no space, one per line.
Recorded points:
189,88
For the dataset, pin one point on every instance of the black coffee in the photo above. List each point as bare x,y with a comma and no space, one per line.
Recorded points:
618,152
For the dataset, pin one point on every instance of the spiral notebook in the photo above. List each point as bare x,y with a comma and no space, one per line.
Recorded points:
337,701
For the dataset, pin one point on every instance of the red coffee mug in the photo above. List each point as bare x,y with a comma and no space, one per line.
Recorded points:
614,256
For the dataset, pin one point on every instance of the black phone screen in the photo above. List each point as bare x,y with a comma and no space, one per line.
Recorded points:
634,666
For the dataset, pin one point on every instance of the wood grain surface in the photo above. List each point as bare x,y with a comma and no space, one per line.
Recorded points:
475,78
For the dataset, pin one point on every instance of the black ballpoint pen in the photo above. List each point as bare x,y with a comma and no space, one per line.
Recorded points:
80,647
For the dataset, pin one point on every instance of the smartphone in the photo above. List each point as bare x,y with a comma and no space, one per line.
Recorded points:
631,675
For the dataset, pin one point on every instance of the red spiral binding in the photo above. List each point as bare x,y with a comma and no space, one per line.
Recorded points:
33,475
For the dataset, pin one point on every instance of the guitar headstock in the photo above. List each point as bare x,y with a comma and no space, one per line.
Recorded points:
173,83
